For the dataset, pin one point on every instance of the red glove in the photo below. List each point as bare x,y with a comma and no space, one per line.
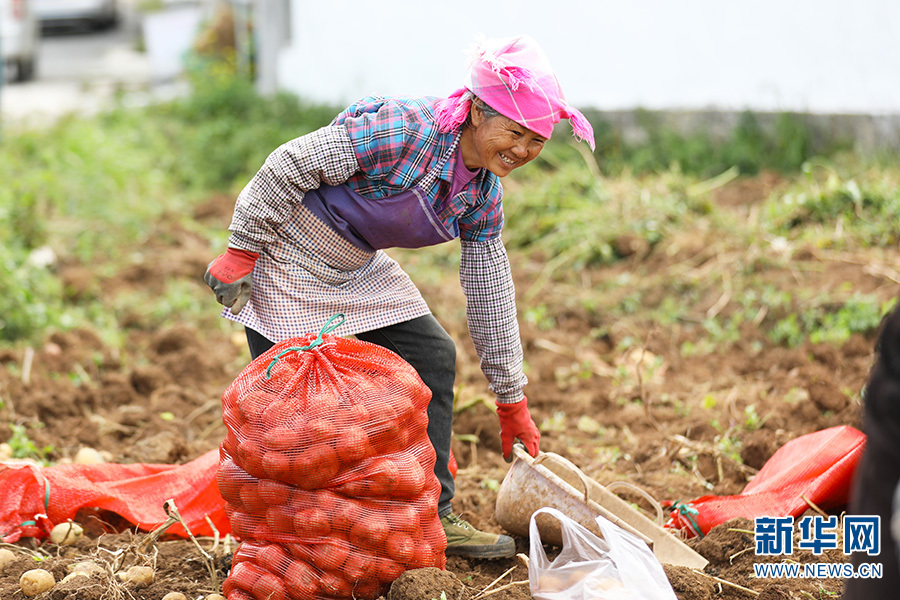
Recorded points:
230,277
516,422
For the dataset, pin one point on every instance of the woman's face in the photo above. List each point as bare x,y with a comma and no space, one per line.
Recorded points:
499,144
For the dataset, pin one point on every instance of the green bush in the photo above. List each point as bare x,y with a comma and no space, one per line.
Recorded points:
31,297
225,130
785,146
90,188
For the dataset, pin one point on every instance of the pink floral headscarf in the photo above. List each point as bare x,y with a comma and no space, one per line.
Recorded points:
513,76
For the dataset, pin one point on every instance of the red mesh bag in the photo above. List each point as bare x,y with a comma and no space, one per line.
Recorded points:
327,472
817,467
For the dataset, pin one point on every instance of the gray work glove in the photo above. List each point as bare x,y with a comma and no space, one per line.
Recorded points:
230,276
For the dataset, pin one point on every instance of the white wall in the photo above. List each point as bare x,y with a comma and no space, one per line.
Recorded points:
804,55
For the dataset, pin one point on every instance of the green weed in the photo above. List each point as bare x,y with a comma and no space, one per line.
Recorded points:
556,423
752,420
541,316
24,447
831,324
730,446
587,424
490,484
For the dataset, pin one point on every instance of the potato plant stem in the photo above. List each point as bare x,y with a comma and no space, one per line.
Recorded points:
172,512
726,582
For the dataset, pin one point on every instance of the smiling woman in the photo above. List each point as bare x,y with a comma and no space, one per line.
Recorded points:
309,230
496,143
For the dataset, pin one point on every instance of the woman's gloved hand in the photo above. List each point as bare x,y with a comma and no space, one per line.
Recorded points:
230,277
516,422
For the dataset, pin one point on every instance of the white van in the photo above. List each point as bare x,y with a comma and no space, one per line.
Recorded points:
19,38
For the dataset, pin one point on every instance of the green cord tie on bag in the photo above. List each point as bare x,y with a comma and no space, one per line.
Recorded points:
326,329
46,505
688,511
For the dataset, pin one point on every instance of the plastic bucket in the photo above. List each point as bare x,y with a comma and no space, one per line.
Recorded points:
551,480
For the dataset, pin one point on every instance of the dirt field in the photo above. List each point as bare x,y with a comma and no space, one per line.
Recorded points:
628,405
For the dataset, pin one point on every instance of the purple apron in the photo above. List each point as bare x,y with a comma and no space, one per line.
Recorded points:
405,220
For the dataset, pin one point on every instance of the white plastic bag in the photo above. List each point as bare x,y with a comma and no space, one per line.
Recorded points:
618,567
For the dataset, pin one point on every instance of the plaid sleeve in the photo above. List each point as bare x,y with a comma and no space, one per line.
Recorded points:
486,280
484,220
323,156
394,139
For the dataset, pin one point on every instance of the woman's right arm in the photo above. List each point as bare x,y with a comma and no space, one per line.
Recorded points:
323,156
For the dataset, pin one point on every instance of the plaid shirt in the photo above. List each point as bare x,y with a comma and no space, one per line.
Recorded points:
396,142
380,147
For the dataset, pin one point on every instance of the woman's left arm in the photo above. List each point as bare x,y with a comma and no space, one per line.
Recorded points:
491,311
487,282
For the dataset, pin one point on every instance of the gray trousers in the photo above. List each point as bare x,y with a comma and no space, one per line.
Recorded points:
423,343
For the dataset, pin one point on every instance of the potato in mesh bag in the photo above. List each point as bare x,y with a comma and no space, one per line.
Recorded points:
328,472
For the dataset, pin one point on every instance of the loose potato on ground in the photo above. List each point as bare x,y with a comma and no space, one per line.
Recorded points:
36,581
6,557
139,576
66,534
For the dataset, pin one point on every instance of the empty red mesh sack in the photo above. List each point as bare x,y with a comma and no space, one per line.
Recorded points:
817,467
33,499
327,472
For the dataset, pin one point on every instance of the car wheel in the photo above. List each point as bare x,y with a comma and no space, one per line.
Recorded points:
111,21
25,68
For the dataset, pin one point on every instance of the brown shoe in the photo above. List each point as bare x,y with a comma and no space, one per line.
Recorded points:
464,540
